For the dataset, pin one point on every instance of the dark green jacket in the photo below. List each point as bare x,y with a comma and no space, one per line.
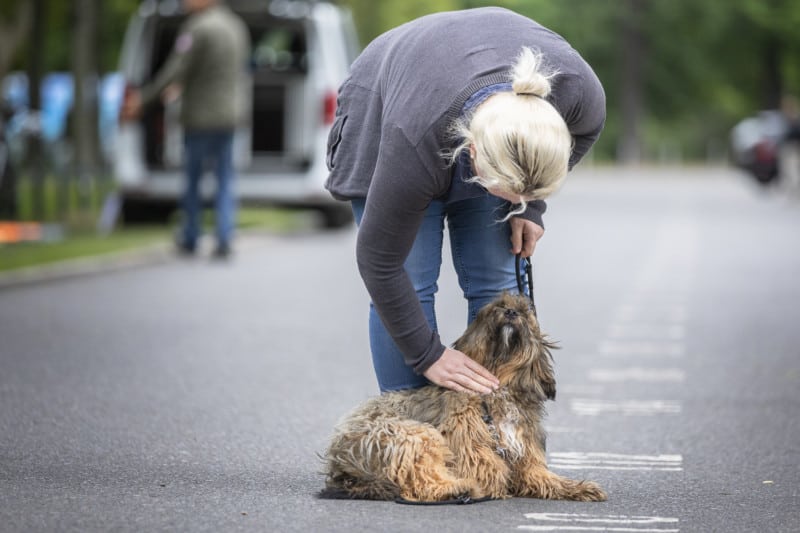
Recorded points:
210,62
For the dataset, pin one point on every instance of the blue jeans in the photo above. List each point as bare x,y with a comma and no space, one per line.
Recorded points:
480,248
215,147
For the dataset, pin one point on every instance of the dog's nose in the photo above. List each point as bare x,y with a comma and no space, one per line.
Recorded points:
510,313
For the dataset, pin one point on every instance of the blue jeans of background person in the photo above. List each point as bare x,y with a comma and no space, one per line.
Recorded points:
480,248
214,148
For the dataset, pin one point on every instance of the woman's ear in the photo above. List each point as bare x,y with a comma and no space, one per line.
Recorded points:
472,153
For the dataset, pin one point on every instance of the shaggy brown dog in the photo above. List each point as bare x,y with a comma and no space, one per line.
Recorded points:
435,444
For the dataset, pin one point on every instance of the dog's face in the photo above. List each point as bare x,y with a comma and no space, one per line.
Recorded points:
506,339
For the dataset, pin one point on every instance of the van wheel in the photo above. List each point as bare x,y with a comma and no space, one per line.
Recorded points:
138,211
334,217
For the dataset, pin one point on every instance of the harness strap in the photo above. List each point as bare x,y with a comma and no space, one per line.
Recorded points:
489,420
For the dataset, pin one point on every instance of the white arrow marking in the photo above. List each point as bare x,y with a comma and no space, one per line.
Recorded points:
648,375
600,522
626,407
614,461
642,348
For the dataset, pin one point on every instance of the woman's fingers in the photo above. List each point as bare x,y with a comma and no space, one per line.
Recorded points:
524,236
454,370
480,374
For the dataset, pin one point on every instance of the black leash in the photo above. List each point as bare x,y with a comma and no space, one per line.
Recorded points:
528,270
460,500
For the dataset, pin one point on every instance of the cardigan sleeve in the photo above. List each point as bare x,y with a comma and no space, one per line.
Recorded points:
398,197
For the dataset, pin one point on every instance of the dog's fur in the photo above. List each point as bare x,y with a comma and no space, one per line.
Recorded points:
435,444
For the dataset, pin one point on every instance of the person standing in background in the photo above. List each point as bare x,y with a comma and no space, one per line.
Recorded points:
209,66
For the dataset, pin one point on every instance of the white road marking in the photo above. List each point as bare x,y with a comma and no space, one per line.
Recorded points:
588,522
614,461
581,389
651,332
672,313
589,407
641,348
652,325
647,375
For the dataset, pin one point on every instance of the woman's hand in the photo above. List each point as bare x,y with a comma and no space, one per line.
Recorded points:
456,371
524,236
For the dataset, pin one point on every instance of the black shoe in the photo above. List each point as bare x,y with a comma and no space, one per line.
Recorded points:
222,251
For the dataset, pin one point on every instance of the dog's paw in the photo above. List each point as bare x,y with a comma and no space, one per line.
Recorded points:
467,490
589,491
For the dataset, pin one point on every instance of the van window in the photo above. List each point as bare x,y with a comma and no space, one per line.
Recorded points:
280,69
279,49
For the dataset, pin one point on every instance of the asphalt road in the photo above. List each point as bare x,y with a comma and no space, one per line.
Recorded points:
195,396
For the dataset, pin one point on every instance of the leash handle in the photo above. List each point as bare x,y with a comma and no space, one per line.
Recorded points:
528,271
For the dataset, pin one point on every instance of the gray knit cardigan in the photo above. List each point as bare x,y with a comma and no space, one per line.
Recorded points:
393,124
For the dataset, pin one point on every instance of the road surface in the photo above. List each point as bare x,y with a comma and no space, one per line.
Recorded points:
195,396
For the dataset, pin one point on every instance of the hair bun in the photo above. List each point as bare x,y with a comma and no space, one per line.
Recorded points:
528,76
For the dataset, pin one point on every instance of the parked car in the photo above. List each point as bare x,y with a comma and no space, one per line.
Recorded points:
755,144
301,52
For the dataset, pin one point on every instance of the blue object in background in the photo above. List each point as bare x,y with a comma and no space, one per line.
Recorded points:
111,90
15,91
58,95
58,99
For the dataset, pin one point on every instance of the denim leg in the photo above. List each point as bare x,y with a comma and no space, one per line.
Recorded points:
481,250
225,208
422,265
195,149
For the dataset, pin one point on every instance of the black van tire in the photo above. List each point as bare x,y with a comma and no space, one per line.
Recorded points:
336,216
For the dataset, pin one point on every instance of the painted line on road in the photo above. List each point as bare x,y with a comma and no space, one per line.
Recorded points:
637,374
614,461
651,332
589,407
674,313
591,522
581,389
642,348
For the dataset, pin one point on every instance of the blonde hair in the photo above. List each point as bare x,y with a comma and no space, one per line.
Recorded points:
522,143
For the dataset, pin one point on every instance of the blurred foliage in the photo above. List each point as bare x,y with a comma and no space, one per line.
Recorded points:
707,63
59,19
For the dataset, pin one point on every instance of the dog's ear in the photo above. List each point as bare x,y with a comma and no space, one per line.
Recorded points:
543,369
549,388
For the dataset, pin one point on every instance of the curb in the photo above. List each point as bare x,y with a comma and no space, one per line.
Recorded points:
96,264
147,255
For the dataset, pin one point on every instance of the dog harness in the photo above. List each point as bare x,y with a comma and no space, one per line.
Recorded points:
490,425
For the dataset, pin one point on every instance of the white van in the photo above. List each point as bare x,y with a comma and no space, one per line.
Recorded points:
301,52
